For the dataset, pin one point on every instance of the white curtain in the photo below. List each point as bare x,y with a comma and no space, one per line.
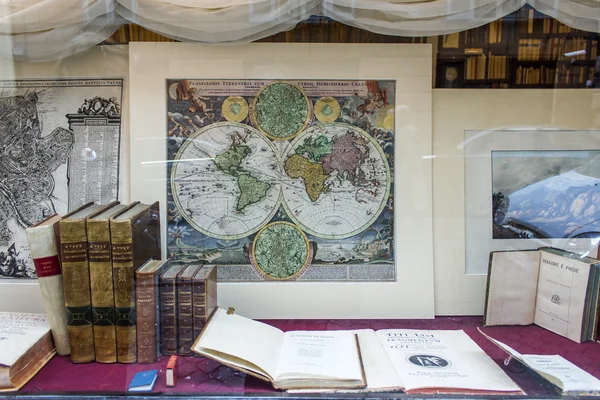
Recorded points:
212,21
578,14
418,18
41,30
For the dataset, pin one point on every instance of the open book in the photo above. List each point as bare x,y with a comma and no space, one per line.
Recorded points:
25,347
427,362
297,359
552,288
398,359
572,380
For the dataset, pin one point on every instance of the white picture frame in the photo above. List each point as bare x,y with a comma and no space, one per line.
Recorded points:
479,147
412,294
456,111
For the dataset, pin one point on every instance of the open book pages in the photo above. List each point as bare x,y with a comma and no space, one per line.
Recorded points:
420,361
552,288
571,379
26,346
443,362
297,359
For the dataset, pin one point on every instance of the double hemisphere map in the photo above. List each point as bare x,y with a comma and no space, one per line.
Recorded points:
282,180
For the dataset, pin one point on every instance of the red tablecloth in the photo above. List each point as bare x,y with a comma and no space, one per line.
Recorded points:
199,375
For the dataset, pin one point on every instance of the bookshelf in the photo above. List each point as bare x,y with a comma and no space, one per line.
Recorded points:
525,49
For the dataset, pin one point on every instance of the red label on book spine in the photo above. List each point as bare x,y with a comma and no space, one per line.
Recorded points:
47,266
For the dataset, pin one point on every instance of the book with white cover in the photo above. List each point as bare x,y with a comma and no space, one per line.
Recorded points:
416,361
572,380
43,246
25,347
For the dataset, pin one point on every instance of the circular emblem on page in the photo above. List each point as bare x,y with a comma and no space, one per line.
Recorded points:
280,251
235,109
281,110
428,361
327,109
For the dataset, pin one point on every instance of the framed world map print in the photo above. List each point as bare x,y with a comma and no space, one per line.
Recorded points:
303,172
282,180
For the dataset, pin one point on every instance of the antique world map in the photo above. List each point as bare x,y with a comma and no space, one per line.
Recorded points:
282,180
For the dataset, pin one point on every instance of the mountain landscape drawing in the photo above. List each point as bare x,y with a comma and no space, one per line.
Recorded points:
563,203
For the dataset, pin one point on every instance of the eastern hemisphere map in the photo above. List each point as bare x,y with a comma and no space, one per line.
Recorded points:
282,180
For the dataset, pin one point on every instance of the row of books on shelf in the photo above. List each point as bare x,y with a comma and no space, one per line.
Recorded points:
476,67
556,49
529,23
99,269
550,25
561,75
477,36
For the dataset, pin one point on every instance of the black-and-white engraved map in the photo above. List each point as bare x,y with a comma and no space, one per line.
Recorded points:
59,144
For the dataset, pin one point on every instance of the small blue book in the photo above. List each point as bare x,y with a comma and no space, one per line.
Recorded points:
143,381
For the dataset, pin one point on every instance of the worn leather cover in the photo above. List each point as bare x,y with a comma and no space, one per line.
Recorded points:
133,242
43,245
101,285
76,281
168,310
147,313
204,287
185,310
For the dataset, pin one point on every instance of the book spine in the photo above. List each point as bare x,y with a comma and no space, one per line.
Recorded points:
211,292
76,279
168,317
199,305
44,252
145,305
171,374
186,317
124,290
101,283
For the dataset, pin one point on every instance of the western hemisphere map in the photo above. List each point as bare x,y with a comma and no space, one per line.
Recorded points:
288,180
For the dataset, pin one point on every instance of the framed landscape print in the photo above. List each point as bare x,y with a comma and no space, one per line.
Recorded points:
528,189
279,164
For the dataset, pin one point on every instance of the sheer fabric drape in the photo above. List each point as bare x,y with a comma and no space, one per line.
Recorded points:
40,30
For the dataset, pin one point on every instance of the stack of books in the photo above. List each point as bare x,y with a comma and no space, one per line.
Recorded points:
101,276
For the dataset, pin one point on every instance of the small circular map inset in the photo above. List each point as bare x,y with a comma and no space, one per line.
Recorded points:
336,180
327,109
280,251
226,180
281,110
235,109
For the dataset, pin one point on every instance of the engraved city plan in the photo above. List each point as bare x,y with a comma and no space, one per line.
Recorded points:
282,180
60,142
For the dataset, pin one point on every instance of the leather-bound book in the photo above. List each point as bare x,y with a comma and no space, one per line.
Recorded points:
43,244
168,310
185,310
204,288
135,239
76,281
101,283
146,305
